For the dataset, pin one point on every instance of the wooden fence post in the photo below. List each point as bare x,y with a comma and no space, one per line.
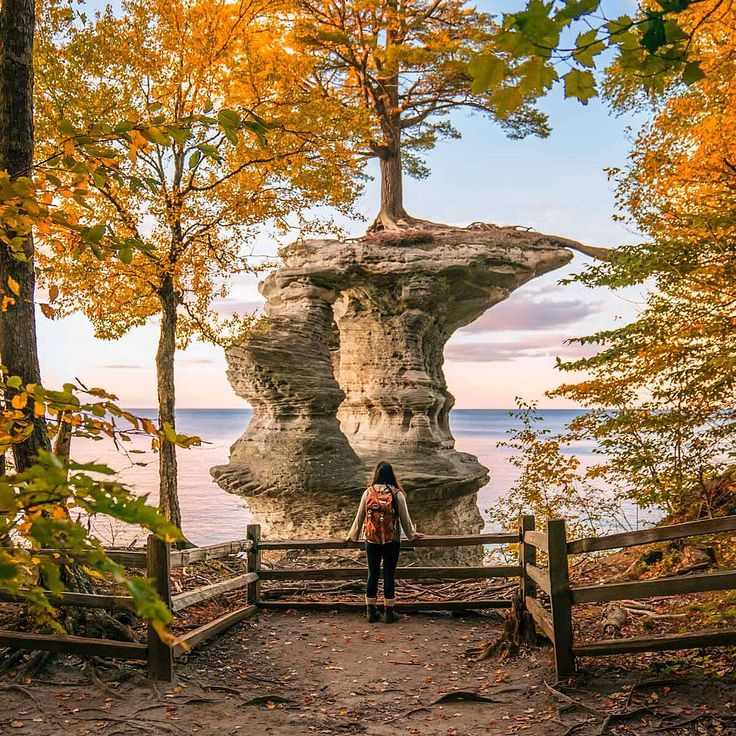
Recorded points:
158,564
253,532
527,556
560,598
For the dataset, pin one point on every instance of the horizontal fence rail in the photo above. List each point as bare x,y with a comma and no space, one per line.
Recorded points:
206,592
402,573
408,606
701,639
636,590
73,645
429,541
82,600
649,536
210,552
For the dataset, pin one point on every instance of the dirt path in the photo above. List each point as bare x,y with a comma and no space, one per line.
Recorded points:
288,674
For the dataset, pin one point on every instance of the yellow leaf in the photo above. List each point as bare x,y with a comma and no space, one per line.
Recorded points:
19,401
59,513
14,286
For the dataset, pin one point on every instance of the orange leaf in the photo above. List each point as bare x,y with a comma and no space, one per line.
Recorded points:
19,401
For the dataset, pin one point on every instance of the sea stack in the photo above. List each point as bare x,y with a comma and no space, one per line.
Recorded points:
347,370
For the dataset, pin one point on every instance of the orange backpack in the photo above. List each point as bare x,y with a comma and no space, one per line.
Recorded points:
380,515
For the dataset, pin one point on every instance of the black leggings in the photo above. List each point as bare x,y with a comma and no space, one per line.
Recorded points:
389,553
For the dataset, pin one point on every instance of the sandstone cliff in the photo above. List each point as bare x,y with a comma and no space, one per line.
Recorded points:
348,371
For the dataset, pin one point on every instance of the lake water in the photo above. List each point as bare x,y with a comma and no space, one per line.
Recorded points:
210,515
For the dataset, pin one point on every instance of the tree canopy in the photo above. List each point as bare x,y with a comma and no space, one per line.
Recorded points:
405,64
208,131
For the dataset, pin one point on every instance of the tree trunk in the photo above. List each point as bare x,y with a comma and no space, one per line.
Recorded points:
18,346
168,494
392,189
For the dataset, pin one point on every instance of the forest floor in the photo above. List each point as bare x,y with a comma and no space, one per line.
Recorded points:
285,673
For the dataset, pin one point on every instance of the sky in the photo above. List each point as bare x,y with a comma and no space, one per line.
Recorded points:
556,185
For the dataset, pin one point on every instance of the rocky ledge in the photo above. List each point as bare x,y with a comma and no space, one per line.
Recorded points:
348,371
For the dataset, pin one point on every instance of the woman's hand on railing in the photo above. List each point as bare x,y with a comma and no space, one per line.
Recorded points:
417,535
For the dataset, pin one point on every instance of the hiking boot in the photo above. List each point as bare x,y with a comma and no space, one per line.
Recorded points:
372,614
390,616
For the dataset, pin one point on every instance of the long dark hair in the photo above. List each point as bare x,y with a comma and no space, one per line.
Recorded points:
384,475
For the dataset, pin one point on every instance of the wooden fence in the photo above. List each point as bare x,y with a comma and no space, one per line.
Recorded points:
402,573
557,623
157,561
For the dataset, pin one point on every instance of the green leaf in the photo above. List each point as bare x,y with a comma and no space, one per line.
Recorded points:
194,159
95,233
66,128
580,83
179,134
124,126
126,255
588,47
14,382
654,37
488,71
156,135
673,32
537,76
575,9
536,24
619,25
692,73
673,6
228,119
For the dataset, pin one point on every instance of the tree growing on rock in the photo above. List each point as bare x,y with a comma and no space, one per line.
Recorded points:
405,63
228,144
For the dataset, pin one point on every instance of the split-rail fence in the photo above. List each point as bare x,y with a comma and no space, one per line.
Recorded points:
556,624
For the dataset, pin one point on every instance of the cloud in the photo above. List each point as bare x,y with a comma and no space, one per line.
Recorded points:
534,346
539,314
125,366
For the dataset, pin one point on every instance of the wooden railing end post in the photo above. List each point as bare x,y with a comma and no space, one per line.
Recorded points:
253,532
560,598
527,556
158,566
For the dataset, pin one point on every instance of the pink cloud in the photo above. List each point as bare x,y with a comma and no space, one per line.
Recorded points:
526,314
533,346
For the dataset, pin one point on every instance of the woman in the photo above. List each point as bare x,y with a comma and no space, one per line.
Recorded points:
381,515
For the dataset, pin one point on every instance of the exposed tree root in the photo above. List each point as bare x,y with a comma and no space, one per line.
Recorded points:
385,223
11,658
32,666
455,696
25,691
518,630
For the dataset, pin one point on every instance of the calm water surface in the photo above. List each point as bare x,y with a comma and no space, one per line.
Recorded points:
210,515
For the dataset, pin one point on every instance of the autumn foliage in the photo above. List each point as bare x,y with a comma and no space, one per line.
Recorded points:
209,133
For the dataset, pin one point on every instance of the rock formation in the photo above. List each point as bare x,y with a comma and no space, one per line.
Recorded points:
348,371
